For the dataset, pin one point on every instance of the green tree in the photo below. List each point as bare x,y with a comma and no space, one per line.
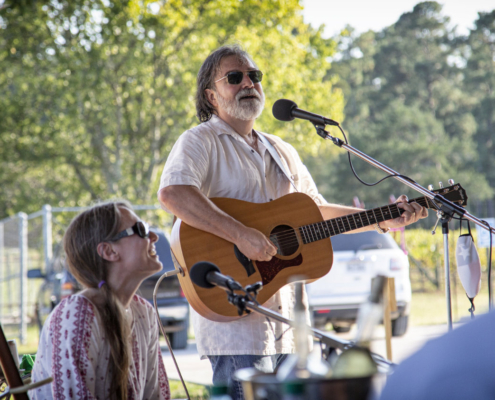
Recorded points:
98,91
480,84
406,107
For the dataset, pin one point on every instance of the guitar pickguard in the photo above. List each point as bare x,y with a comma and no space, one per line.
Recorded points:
269,269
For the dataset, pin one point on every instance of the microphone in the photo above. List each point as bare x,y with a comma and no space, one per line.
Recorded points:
207,275
286,110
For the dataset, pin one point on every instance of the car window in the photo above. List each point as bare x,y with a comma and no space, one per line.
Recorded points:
363,241
163,250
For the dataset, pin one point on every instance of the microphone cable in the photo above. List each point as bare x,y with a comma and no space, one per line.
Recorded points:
160,325
386,177
356,175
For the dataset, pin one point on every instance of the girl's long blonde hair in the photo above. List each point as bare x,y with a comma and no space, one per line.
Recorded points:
86,231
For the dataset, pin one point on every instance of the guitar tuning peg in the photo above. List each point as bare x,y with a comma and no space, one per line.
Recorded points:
440,184
451,182
430,187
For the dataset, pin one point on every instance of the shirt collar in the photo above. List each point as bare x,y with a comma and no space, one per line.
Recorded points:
222,128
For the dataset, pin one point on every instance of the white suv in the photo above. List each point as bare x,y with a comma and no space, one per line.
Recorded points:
358,258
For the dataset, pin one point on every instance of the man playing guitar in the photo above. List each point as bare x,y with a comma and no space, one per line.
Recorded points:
225,157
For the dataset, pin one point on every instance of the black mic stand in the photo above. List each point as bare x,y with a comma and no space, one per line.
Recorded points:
445,208
246,303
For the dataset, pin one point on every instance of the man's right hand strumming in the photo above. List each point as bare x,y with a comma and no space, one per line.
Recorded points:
195,209
254,245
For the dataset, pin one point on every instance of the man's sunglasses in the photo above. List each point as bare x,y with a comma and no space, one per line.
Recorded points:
140,228
236,77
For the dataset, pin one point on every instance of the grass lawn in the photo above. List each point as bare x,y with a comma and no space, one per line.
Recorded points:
31,345
430,308
196,392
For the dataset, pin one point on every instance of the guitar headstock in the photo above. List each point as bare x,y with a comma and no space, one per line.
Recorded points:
455,194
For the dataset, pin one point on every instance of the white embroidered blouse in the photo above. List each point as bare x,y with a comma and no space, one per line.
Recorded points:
73,350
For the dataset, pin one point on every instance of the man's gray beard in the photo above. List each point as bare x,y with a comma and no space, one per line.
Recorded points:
248,109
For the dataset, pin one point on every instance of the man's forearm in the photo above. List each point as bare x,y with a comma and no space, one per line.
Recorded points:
196,210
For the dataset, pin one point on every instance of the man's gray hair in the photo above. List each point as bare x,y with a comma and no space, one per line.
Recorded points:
206,77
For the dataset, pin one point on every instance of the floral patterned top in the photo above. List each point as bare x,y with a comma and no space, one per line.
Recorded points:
73,350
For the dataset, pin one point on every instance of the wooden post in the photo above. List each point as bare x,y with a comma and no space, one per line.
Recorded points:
389,306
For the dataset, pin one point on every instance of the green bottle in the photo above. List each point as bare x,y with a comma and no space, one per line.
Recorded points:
293,391
220,392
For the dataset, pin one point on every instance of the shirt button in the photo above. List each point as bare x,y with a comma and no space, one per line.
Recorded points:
252,151
271,199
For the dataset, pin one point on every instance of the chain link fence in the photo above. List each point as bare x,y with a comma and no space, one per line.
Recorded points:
34,243
13,273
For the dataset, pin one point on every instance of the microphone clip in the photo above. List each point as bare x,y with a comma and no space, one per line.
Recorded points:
254,288
240,300
320,130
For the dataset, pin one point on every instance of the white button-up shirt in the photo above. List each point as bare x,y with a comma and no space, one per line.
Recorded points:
219,162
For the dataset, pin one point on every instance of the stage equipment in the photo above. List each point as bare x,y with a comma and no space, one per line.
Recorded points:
245,302
262,386
286,110
446,210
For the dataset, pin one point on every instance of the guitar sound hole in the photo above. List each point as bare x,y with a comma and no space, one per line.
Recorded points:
285,239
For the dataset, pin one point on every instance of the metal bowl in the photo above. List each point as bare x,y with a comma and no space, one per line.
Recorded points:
258,385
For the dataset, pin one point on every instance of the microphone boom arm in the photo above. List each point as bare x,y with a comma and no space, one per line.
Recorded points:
447,207
247,303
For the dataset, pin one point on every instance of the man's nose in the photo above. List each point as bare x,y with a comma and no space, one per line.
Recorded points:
246,81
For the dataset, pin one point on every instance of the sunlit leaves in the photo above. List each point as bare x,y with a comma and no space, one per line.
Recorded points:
99,91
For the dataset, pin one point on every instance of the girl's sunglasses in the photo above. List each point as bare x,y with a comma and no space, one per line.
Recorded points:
140,228
236,77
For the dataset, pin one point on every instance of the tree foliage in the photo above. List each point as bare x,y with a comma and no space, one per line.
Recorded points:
480,85
409,105
97,91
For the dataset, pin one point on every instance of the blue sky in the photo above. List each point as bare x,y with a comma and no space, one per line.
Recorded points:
377,14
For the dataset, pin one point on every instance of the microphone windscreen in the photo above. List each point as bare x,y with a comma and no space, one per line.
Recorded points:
199,271
282,109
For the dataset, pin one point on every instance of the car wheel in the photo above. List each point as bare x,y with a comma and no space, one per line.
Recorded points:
178,340
341,328
399,325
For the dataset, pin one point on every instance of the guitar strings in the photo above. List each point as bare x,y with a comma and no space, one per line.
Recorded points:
310,230
289,237
352,225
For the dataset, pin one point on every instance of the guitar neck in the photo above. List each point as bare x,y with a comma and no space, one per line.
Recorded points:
335,226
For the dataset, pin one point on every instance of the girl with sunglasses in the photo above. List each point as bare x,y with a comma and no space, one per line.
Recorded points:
102,343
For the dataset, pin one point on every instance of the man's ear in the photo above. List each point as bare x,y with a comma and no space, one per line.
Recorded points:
107,252
211,95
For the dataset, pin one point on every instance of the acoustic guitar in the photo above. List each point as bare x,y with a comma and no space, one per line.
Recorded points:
295,226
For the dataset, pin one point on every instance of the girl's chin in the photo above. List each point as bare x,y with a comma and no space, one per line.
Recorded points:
159,264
